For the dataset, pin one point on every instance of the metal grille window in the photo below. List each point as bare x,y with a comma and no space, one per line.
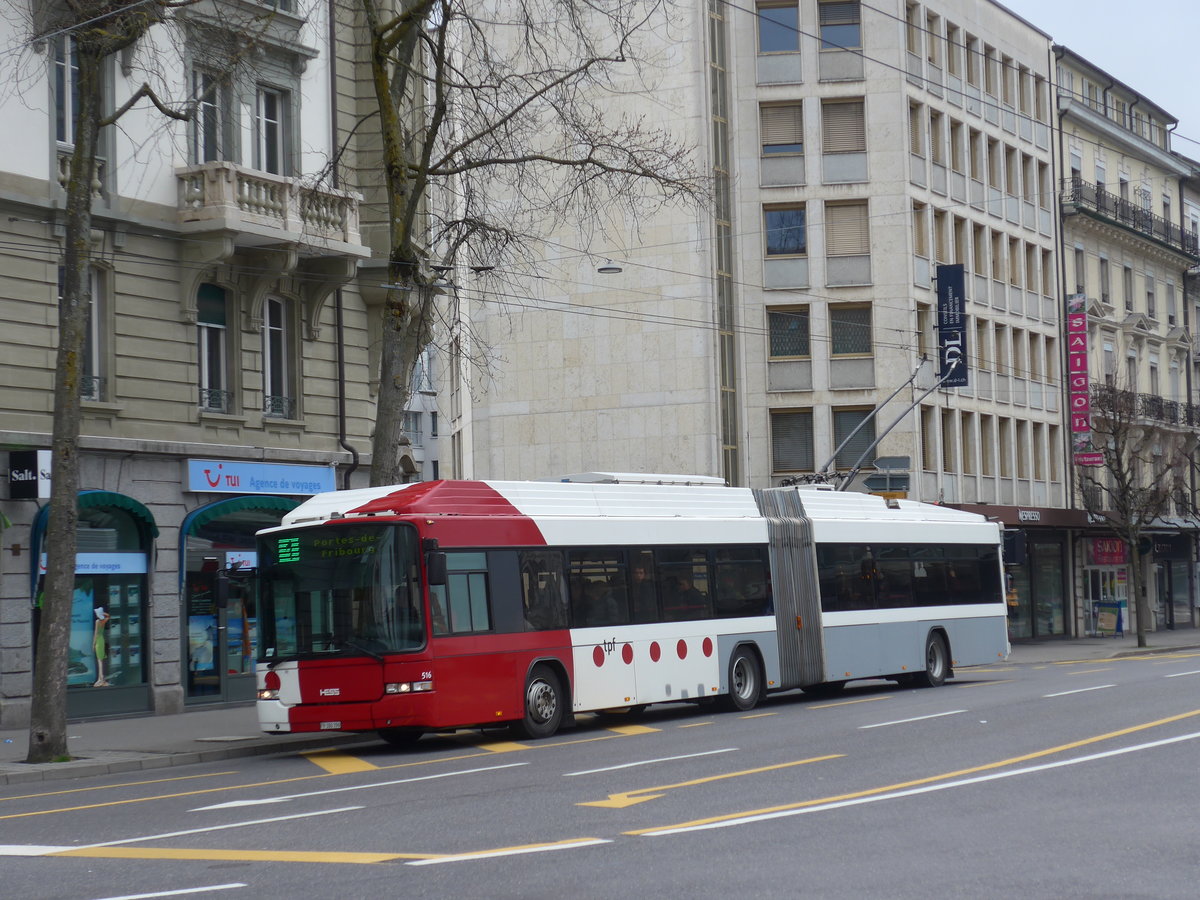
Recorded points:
844,423
850,330
212,316
846,229
782,129
789,332
841,24
277,368
792,441
778,28
785,231
843,127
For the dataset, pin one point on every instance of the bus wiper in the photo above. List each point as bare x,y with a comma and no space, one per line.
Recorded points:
355,645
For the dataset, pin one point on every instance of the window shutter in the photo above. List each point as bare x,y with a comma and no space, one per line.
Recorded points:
839,13
782,125
846,230
844,422
791,441
844,127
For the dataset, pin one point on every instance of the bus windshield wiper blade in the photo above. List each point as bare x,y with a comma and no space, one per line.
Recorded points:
354,645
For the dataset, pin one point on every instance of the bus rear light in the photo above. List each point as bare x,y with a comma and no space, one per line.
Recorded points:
271,681
268,695
408,687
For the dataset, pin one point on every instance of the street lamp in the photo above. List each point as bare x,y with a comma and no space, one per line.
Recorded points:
609,268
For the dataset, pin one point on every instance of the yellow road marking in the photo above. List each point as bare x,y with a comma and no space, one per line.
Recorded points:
1090,671
870,792
849,702
758,715
109,787
696,725
633,729
503,746
983,683
239,855
971,670
631,798
336,763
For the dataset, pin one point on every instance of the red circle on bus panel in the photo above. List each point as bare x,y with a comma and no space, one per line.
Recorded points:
627,653
655,651
681,648
598,656
708,646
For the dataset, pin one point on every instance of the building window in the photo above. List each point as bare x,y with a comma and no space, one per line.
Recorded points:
209,126
788,332
916,130
846,229
841,24
1151,306
850,330
270,128
278,374
66,88
778,29
843,127
785,231
782,129
92,381
212,317
792,441
845,421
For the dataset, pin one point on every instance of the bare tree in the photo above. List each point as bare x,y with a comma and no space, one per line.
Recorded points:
1141,473
496,123
96,30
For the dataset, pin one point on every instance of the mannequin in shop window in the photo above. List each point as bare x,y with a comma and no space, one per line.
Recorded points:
100,645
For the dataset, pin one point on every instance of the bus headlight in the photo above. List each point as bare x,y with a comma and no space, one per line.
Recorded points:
408,687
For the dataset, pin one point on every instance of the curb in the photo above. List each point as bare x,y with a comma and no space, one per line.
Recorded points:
119,762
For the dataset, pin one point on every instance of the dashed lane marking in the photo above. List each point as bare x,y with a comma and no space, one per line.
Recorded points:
336,763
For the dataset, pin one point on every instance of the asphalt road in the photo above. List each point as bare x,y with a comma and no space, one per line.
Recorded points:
1035,781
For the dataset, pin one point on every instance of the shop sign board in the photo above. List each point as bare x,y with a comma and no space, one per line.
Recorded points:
223,476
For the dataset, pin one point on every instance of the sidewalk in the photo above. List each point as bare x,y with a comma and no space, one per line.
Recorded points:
112,746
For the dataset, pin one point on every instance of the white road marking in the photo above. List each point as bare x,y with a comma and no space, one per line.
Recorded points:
649,762
953,712
233,804
511,851
1098,687
171,834
195,890
927,789
1181,674
30,849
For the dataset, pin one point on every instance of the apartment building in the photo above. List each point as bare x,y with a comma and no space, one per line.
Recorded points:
854,148
1129,239
226,374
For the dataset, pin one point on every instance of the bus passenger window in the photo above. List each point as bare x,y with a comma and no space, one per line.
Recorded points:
544,598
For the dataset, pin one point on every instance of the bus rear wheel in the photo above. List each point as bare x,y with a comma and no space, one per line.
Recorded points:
745,681
937,663
543,704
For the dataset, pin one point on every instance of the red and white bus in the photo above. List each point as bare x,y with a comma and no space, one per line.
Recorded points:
448,604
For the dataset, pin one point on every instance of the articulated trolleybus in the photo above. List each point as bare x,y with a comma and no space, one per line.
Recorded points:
448,604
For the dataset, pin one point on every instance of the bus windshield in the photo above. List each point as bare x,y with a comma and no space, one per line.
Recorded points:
348,590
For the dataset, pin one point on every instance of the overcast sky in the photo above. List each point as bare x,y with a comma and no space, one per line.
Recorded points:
1151,45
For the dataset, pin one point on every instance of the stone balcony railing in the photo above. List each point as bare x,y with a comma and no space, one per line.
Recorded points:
262,208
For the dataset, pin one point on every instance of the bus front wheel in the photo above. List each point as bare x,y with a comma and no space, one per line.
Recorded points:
937,662
745,681
543,703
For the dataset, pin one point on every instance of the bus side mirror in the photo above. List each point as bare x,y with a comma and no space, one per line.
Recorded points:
435,567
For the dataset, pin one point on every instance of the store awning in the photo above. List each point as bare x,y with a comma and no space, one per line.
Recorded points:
197,519
97,499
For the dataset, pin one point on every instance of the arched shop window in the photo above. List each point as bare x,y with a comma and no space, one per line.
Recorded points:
109,643
219,644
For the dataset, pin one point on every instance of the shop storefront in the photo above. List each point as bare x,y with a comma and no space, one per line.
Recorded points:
220,642
107,668
1037,568
1173,580
1106,586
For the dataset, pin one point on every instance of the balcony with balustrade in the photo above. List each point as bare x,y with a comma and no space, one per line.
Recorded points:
1150,409
1079,196
260,209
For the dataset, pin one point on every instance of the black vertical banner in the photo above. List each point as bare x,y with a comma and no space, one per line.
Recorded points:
952,326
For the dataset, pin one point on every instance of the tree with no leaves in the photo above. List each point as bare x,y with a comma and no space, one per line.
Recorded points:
1142,474
495,124
96,30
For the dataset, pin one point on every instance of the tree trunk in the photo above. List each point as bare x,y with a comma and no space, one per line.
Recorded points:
48,710
1141,599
